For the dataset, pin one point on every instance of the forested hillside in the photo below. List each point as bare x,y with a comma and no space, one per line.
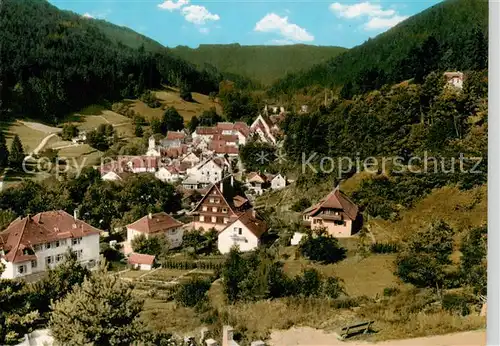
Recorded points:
448,36
264,64
54,62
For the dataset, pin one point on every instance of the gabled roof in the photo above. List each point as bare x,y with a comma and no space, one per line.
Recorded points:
256,177
252,221
155,223
230,198
137,258
22,234
335,200
174,135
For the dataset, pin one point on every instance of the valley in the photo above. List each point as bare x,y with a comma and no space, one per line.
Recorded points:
151,194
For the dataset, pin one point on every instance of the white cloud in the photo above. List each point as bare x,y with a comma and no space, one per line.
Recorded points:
361,9
87,15
377,17
170,5
383,23
274,23
198,14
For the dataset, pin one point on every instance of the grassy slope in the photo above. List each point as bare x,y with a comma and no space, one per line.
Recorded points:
262,63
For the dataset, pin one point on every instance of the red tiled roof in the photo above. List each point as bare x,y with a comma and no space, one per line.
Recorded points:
207,130
158,222
137,162
252,221
23,234
225,138
173,135
335,200
256,177
221,147
225,126
137,258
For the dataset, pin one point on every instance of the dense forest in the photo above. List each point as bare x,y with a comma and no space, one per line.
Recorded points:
54,62
263,64
451,35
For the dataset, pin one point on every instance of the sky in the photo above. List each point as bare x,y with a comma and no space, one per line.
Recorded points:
256,22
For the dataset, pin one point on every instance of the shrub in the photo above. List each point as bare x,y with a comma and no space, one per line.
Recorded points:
301,204
322,248
333,288
384,248
150,99
391,291
192,292
185,94
456,303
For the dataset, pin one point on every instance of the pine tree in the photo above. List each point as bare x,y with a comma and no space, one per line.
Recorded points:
4,152
102,311
16,155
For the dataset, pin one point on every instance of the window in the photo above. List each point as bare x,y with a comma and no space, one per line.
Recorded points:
202,218
205,208
217,200
214,219
76,241
226,220
34,263
22,269
224,210
38,247
62,242
211,200
214,209
57,243
59,258
48,245
49,260
240,231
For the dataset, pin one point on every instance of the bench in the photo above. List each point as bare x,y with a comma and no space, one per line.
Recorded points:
365,327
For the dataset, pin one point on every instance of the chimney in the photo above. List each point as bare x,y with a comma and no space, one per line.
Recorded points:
227,335
150,215
75,214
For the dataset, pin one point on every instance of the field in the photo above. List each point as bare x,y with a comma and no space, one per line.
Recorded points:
170,98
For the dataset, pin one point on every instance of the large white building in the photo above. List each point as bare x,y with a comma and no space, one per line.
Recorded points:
156,224
34,244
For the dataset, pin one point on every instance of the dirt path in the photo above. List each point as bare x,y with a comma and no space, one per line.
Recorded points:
40,146
306,336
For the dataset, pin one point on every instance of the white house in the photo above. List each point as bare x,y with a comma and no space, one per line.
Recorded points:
265,129
297,237
141,261
278,182
156,224
246,232
34,244
208,171
168,174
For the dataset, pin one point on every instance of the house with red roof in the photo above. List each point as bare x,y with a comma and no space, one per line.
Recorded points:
265,129
334,212
245,232
157,224
141,261
33,244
